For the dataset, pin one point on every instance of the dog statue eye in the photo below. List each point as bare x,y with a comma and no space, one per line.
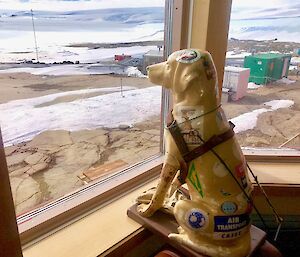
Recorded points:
206,63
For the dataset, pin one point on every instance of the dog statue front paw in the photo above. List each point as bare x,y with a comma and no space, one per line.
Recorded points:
146,196
145,210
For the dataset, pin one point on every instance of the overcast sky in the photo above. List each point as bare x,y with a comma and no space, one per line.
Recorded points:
261,3
99,4
60,5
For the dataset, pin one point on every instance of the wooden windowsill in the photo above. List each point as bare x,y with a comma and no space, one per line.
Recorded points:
108,225
93,234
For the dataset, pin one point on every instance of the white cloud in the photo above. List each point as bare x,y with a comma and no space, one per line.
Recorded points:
260,4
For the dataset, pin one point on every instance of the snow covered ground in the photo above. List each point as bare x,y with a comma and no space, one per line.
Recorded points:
81,69
22,119
252,86
73,54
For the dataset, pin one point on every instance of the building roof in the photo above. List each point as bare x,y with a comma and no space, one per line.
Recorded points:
269,55
235,69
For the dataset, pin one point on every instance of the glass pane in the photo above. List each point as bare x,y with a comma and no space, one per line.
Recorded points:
261,83
75,104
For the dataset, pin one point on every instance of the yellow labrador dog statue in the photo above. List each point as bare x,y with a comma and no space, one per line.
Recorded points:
202,152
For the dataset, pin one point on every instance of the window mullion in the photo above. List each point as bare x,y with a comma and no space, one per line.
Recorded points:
9,236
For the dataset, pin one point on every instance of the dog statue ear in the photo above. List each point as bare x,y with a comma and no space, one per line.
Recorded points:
187,79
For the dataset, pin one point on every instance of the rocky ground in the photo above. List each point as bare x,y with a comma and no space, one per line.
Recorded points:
48,166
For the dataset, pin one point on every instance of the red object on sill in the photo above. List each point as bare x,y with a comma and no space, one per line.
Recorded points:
167,253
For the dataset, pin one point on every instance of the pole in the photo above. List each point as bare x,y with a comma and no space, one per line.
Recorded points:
35,42
122,87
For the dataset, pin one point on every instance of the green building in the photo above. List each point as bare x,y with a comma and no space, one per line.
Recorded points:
268,67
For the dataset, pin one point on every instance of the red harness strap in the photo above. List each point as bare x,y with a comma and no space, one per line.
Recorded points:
187,155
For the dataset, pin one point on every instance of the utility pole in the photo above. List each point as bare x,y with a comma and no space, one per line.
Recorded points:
35,42
122,87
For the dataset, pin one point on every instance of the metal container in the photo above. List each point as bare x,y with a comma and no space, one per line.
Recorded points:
236,80
268,67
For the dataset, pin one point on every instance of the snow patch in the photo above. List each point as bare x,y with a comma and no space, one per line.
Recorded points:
293,67
252,86
248,120
277,104
21,120
134,72
285,81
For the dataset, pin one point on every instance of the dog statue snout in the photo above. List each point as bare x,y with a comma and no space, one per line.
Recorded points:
156,73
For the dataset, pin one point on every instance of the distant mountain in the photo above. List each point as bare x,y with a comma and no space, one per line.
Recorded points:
120,15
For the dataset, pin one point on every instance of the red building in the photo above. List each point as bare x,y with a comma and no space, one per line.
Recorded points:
121,57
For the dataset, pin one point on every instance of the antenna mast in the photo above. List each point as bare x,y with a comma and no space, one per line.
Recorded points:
35,42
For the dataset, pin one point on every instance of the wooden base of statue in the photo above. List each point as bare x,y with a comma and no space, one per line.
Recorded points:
163,224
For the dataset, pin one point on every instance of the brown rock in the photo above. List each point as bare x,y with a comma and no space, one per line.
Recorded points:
154,132
155,139
124,127
97,137
50,138
117,134
17,158
25,192
37,158
20,171
78,154
10,149
37,167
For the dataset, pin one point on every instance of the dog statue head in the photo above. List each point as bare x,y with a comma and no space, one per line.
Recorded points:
187,70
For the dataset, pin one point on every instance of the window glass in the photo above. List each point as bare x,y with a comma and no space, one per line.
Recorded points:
261,80
75,104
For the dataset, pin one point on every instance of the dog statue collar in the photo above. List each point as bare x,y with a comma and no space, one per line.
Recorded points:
170,119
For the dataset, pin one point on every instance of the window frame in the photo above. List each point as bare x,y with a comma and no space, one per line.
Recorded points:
36,224
183,34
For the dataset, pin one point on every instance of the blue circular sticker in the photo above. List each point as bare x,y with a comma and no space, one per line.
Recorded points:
229,207
196,219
